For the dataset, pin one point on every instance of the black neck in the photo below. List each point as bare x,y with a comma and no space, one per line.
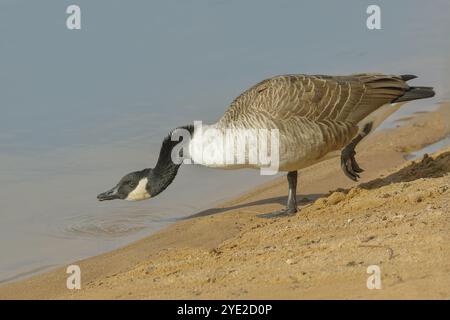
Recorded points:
165,170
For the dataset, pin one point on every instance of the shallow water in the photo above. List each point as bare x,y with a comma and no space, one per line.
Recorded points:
441,144
81,108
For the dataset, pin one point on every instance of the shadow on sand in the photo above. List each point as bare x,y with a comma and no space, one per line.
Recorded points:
304,200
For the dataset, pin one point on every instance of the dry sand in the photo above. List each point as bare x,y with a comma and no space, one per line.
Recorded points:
396,217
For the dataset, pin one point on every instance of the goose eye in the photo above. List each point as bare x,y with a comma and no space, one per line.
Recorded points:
132,184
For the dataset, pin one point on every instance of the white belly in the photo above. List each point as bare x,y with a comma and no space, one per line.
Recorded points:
234,148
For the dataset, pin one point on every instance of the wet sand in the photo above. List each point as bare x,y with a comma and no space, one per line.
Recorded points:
396,217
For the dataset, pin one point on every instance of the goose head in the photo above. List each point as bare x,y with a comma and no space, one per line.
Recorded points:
133,186
148,183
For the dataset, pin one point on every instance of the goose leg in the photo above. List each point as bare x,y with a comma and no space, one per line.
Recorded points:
291,206
348,162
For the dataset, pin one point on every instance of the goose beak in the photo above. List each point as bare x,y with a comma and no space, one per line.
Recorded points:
109,195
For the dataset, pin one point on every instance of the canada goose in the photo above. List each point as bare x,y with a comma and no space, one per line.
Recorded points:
316,117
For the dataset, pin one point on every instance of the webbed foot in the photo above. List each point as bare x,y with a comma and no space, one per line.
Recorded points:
286,212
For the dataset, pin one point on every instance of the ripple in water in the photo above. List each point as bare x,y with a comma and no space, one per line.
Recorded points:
110,224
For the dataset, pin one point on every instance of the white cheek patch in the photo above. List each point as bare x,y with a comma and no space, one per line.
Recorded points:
140,192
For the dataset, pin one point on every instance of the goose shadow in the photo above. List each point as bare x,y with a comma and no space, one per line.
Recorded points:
304,200
426,168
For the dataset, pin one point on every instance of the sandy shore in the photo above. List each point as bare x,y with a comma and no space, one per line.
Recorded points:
396,217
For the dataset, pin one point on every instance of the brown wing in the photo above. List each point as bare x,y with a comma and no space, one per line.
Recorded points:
316,98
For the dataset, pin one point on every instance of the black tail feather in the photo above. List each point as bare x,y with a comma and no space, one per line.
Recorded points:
414,93
407,77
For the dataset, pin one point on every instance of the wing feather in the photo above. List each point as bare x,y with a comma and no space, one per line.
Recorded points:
315,97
